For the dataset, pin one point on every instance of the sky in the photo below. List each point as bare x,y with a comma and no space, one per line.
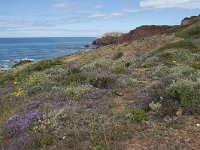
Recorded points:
91,18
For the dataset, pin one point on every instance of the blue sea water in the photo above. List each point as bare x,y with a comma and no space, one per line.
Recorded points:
12,50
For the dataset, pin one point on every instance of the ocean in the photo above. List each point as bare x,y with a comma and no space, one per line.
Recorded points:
12,50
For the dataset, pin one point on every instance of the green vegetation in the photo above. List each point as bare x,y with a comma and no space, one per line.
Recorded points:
138,114
191,33
118,69
151,96
118,55
196,65
186,95
181,45
21,63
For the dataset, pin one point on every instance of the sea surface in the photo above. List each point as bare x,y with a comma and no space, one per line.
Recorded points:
12,50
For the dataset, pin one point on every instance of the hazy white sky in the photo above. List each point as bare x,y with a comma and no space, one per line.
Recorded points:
44,18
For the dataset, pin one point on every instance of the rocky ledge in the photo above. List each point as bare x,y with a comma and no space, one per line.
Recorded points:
141,32
191,20
108,38
138,33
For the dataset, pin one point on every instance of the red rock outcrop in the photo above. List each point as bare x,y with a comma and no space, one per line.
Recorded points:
145,31
142,32
138,33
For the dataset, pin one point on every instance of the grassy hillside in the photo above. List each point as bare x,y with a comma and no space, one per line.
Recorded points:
144,94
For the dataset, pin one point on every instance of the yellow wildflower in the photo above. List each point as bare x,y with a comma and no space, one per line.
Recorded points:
14,82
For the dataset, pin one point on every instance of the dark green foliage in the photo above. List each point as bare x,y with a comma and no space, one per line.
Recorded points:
100,147
75,78
23,74
181,45
101,82
118,69
127,64
196,65
187,96
138,114
5,77
192,33
45,64
181,94
118,55
45,139
21,63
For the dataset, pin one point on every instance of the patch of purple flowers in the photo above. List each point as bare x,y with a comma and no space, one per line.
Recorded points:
19,123
53,72
94,94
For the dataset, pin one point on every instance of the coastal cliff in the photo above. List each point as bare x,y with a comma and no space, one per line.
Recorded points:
142,32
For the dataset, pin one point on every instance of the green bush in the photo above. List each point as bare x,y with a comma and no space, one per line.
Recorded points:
186,95
192,33
101,82
180,45
75,78
44,140
196,65
127,64
118,69
100,147
138,114
118,55
44,64
129,81
150,62
22,62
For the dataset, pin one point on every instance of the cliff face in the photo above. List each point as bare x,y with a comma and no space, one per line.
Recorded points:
138,33
191,20
145,31
142,32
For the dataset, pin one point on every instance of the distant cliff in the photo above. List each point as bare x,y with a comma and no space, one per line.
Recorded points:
142,32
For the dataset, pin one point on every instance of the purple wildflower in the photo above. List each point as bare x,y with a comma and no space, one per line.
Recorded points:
95,93
53,72
19,123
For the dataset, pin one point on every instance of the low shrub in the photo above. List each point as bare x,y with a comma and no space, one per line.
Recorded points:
118,69
186,95
157,94
196,65
127,64
118,55
44,64
44,140
129,81
192,33
155,106
138,114
75,78
101,82
22,62
181,45
150,62
101,147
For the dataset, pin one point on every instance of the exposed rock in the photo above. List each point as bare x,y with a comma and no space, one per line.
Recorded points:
87,46
107,38
191,20
119,93
145,31
138,33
